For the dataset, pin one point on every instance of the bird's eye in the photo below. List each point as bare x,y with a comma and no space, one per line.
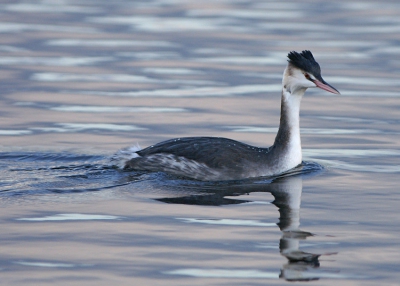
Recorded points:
307,76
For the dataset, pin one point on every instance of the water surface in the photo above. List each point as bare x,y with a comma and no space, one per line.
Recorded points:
81,80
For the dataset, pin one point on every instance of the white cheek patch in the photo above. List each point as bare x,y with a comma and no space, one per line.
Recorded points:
120,158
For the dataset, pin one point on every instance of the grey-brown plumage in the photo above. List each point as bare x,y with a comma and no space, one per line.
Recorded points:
203,158
214,158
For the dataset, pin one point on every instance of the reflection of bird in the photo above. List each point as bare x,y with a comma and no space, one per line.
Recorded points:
286,190
213,158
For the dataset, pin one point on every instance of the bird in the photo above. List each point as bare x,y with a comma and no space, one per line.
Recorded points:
222,159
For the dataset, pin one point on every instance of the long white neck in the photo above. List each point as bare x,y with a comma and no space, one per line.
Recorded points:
288,140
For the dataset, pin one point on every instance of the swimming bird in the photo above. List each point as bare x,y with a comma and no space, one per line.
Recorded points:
220,159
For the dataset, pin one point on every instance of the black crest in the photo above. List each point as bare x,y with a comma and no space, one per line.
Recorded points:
304,61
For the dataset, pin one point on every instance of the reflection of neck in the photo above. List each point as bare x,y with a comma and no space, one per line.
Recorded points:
287,198
287,193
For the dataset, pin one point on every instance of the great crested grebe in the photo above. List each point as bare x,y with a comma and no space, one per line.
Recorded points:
219,159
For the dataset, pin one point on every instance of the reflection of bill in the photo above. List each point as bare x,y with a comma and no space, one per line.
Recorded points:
301,266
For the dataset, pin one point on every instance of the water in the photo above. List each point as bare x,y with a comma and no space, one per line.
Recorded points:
81,79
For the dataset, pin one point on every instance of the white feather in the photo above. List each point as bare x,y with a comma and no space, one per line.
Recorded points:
120,158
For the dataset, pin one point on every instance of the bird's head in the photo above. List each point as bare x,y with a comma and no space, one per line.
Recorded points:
304,72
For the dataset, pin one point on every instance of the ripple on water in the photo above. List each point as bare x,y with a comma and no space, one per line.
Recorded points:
331,131
349,153
77,127
49,7
301,275
52,61
249,13
169,71
14,132
110,43
228,222
364,81
370,168
73,128
128,78
70,217
192,92
351,119
244,60
167,24
26,174
379,93
79,108
223,273
10,27
45,264
329,159
91,77
101,109
45,156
